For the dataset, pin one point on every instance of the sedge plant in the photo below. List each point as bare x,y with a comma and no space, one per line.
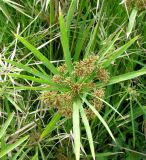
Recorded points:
76,88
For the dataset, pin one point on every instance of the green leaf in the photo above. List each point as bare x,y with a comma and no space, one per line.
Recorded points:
10,147
65,42
92,41
119,52
38,54
35,157
13,102
4,10
132,121
132,19
110,45
76,128
50,126
126,76
100,118
39,80
88,130
82,36
16,6
19,152
37,88
108,105
29,70
5,125
70,13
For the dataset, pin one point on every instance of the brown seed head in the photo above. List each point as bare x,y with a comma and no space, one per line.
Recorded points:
102,75
62,68
140,4
57,79
85,67
90,114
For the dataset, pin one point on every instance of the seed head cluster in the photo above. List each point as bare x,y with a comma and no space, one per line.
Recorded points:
77,83
102,75
85,67
140,4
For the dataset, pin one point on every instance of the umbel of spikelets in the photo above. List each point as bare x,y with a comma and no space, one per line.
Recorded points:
63,101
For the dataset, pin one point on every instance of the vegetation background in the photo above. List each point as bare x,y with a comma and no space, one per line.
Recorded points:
37,36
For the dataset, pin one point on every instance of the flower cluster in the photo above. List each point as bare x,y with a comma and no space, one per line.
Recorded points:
82,80
140,4
85,67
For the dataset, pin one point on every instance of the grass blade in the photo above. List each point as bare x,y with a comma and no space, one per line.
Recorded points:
35,157
127,76
14,104
76,128
100,118
50,126
12,146
92,40
38,54
65,42
118,52
110,45
108,105
132,121
132,19
88,130
19,152
29,70
82,36
71,11
6,124
39,80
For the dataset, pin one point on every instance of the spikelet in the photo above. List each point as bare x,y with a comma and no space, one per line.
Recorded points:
90,114
85,67
98,93
63,68
57,79
102,75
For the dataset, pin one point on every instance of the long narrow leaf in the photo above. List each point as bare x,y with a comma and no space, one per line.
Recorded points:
70,13
119,52
6,124
76,128
10,147
127,76
13,102
39,80
88,130
50,126
19,152
124,77
29,69
65,42
92,40
100,118
38,54
132,19
110,45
